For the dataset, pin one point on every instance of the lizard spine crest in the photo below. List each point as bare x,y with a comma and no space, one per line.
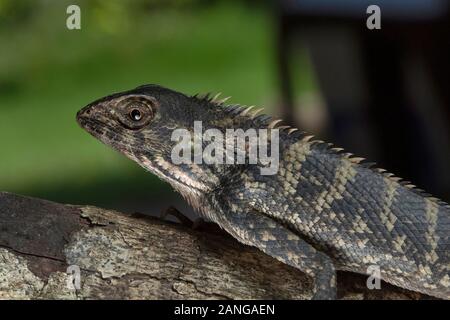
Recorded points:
269,122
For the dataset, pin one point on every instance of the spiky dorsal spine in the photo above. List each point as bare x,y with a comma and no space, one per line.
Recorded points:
249,112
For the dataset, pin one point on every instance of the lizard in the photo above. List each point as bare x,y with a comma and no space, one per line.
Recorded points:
323,210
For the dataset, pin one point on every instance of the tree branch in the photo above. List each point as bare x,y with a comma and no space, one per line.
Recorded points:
122,256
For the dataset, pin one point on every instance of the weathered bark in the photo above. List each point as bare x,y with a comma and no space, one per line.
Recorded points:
125,256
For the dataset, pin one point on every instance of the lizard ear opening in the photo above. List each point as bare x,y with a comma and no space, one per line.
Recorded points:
136,112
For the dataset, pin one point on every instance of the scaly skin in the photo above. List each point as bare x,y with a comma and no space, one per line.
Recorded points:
322,211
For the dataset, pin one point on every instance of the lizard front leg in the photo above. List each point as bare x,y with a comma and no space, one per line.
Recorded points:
258,230
198,224
174,212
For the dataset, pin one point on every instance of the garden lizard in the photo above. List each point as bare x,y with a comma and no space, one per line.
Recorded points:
323,210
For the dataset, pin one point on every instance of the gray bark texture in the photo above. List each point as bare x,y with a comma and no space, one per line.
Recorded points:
123,256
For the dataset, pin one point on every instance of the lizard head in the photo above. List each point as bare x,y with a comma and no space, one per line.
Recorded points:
139,124
130,121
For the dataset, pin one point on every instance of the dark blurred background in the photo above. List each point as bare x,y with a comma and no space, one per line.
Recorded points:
382,94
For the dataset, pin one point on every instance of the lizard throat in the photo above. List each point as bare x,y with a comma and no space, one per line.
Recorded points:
192,191
172,174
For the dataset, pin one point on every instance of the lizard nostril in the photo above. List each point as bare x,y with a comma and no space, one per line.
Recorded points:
83,113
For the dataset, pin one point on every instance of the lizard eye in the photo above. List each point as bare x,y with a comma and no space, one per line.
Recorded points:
136,115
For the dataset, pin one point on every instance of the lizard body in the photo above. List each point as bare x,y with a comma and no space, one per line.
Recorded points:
322,211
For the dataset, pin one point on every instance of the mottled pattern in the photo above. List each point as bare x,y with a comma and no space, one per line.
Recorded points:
360,218
322,211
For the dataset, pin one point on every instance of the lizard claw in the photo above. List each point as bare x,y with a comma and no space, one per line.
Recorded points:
174,212
198,224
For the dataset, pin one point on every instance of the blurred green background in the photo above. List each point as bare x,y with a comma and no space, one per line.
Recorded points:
47,73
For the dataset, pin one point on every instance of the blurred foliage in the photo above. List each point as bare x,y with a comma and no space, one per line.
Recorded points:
47,73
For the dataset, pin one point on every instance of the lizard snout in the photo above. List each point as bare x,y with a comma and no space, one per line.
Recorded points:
84,114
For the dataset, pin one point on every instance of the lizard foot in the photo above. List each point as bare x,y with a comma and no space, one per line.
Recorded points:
174,212
198,224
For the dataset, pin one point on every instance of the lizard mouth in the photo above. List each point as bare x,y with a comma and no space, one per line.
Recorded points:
100,131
